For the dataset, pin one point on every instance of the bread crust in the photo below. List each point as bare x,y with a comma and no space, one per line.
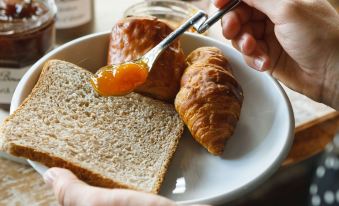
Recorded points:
167,163
49,160
132,37
85,175
52,161
210,99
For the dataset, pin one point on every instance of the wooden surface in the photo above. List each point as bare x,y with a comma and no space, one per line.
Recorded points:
21,185
312,138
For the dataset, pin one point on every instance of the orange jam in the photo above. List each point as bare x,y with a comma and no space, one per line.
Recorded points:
120,79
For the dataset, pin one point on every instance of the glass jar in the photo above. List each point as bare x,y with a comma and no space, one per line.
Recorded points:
172,12
26,31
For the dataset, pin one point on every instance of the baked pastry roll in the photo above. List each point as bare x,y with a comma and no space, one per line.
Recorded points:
132,37
210,98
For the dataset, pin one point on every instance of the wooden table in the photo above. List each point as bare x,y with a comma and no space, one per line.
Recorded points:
316,126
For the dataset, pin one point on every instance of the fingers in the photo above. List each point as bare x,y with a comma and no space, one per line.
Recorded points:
254,52
245,26
258,61
69,190
268,7
253,49
233,21
272,9
220,3
246,44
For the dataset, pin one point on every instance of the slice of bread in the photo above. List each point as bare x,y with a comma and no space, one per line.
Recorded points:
124,142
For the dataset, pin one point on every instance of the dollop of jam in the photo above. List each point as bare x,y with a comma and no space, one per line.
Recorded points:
120,79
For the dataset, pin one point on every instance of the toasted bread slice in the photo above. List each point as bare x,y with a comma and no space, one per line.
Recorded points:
124,142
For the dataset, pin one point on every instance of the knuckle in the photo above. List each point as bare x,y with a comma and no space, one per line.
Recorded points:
62,189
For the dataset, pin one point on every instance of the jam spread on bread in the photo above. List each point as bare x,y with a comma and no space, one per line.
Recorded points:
120,79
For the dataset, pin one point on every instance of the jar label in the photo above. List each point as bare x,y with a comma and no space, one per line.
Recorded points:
72,13
9,79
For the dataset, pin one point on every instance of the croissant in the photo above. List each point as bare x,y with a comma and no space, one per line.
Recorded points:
210,98
134,36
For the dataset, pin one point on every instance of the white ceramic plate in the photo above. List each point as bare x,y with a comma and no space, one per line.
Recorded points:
261,141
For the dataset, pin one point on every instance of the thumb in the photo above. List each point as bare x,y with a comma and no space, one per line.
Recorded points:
69,190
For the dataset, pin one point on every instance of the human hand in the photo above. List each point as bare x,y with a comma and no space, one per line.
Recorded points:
295,40
69,190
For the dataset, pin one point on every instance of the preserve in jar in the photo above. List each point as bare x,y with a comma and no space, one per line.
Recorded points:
26,31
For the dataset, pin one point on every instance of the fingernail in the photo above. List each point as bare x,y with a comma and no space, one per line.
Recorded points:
49,177
259,63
